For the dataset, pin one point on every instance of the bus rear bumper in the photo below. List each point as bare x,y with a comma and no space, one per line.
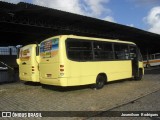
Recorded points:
56,81
29,78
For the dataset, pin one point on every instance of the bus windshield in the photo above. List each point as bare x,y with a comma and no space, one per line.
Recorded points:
49,48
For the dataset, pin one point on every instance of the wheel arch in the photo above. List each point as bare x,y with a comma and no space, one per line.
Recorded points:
104,75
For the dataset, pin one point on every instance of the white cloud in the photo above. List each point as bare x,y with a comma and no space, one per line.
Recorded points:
131,25
110,19
92,8
96,7
153,20
141,3
65,5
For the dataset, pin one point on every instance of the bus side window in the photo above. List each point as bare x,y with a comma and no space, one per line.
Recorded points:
103,51
121,52
79,50
98,46
133,52
157,56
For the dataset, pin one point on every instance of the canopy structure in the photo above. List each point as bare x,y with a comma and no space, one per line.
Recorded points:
25,23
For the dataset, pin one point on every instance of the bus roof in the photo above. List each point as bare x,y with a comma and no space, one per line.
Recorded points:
29,45
90,38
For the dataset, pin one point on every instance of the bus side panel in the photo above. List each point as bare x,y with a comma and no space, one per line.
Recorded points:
119,70
115,70
74,73
82,73
141,66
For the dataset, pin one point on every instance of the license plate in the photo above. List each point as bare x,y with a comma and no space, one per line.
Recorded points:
49,75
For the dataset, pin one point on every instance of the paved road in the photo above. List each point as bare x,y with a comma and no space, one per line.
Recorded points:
147,103
32,97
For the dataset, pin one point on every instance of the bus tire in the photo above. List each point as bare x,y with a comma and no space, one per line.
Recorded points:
139,77
100,81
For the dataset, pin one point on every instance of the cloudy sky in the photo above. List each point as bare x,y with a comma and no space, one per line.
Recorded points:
142,14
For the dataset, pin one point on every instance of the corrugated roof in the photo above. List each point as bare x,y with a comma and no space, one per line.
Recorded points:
29,23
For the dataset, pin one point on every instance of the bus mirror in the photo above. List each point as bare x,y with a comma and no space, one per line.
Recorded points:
18,61
38,59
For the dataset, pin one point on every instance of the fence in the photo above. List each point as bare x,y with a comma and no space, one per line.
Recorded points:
7,76
8,56
11,50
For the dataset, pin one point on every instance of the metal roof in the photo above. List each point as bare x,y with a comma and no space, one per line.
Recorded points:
25,23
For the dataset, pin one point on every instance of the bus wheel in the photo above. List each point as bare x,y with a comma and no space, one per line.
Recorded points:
140,75
100,82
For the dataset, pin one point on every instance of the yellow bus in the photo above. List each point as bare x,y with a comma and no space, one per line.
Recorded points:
28,60
70,60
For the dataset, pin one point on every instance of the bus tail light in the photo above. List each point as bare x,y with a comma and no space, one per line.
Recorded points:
62,68
32,68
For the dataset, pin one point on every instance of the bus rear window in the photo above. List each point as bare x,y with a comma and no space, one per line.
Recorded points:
49,49
25,53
